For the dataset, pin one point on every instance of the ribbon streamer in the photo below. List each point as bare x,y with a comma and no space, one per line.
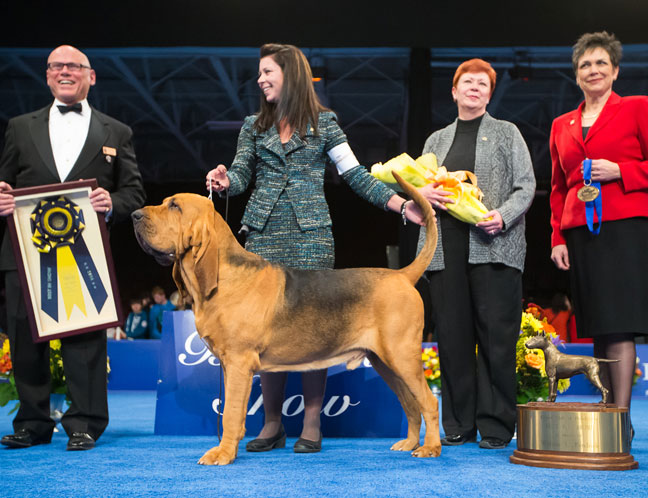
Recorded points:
57,224
596,204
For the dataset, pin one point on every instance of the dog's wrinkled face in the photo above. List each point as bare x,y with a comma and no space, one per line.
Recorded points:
168,230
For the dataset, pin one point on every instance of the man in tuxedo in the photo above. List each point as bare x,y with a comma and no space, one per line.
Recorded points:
66,141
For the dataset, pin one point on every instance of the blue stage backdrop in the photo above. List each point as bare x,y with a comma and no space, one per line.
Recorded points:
190,393
187,377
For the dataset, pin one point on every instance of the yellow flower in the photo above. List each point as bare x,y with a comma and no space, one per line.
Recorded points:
55,344
5,347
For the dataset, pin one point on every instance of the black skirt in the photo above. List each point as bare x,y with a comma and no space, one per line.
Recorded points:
609,277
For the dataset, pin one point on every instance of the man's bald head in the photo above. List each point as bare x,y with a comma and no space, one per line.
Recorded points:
69,85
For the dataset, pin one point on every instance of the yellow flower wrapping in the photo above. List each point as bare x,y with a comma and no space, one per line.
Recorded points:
466,194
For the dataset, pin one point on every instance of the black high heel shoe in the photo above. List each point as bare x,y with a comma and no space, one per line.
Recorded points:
307,446
269,443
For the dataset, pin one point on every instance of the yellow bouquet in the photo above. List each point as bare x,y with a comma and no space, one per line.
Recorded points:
466,194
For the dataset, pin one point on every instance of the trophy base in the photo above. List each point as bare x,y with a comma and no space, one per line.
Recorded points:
573,436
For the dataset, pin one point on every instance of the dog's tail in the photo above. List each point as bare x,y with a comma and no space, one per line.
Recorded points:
414,270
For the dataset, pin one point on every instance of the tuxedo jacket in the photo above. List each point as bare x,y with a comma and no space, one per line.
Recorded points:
620,135
27,161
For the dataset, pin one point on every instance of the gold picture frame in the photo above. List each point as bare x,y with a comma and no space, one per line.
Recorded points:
64,260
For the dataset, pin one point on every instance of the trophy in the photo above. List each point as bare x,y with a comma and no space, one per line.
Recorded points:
591,436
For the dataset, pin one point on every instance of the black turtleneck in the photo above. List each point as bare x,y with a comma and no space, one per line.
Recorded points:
461,156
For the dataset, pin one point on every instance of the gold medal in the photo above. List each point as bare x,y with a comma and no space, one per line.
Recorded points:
587,193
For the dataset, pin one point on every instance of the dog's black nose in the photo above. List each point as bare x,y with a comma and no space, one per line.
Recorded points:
137,215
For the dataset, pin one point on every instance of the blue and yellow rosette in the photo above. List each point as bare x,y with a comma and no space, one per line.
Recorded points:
57,226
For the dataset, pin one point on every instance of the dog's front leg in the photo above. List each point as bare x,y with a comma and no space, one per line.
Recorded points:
238,384
553,387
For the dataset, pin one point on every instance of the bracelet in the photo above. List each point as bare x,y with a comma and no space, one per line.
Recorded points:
402,212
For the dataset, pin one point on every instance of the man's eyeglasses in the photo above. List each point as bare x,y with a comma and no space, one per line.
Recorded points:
72,66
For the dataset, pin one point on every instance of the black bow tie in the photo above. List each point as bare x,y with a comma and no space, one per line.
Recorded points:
67,108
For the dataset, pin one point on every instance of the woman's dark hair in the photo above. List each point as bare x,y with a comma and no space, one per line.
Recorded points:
559,302
298,103
600,39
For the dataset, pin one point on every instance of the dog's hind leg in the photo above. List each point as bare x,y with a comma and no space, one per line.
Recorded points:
409,371
238,384
593,375
407,401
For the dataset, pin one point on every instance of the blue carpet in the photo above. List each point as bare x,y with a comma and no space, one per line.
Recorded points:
130,460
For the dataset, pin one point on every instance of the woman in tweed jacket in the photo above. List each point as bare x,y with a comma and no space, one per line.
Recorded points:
476,274
285,148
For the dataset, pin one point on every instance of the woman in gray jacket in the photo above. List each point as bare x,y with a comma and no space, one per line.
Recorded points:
476,274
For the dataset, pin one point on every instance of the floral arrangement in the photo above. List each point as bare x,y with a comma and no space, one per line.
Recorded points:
635,376
431,369
532,384
8,384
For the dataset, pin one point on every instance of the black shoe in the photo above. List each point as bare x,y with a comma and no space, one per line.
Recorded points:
457,439
23,439
269,443
307,446
80,441
492,443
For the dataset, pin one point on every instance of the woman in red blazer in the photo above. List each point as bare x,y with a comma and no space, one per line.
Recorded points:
608,269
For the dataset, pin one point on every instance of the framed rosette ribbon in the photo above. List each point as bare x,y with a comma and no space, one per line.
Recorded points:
64,260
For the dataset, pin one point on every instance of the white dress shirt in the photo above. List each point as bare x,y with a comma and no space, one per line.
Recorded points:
68,133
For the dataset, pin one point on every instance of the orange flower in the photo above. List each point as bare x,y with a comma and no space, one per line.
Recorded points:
534,361
428,372
5,364
548,328
535,310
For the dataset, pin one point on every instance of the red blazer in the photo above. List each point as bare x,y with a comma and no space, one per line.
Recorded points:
620,135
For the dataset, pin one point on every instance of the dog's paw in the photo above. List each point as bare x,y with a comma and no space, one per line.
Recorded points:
405,445
217,456
427,451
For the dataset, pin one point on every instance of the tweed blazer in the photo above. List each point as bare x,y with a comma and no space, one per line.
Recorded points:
296,167
505,174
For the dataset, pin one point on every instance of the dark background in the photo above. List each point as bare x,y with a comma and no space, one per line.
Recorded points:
361,232
333,23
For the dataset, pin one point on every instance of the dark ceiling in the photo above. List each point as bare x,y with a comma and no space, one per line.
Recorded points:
332,23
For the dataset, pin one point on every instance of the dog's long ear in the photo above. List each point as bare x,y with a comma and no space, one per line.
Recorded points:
182,290
205,264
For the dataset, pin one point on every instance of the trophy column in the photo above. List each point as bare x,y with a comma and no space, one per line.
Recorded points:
573,436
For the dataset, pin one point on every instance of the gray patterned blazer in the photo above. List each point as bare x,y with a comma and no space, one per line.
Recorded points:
505,175
298,168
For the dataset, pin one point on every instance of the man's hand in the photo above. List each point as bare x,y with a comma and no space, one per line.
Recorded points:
101,201
7,201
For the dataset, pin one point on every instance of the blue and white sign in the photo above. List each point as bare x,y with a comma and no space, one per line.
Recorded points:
190,393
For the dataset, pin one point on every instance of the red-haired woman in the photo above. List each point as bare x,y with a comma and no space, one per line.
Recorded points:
476,274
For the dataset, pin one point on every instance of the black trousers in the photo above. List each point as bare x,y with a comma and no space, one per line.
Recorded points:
84,362
476,307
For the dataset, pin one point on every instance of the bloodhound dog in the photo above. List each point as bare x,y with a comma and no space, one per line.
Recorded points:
258,316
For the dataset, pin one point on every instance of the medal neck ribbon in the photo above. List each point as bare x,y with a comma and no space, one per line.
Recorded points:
596,204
